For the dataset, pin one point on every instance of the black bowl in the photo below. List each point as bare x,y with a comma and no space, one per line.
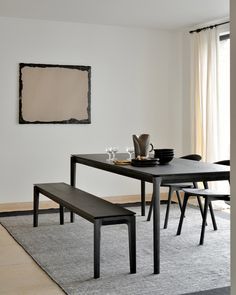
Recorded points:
158,154
164,154
164,150
165,159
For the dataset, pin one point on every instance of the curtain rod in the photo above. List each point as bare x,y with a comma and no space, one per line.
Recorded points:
209,27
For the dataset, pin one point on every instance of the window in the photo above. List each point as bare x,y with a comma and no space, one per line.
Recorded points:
224,96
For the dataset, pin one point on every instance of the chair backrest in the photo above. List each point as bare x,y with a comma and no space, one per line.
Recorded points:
223,162
194,157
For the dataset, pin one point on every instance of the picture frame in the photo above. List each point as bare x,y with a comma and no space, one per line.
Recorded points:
54,94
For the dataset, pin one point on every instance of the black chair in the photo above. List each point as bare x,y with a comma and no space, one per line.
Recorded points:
209,196
176,187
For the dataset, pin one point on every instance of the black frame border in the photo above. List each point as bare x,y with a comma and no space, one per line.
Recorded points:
70,121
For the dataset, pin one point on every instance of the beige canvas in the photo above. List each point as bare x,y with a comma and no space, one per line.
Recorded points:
54,94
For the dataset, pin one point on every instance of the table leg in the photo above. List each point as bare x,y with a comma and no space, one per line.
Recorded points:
36,206
72,172
132,243
96,246
143,202
156,224
72,182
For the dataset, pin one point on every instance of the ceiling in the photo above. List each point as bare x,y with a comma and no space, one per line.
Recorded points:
162,14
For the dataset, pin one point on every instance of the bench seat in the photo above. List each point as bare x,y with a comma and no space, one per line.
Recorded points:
92,208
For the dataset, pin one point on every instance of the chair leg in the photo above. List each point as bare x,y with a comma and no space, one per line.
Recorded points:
179,200
97,241
206,186
186,196
195,184
201,206
150,210
204,220
212,216
132,244
168,207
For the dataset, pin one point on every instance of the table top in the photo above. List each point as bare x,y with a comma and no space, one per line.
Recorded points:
175,171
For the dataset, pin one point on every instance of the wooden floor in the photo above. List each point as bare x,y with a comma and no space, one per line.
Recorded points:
19,274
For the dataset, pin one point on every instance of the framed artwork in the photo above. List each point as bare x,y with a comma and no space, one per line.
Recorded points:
54,94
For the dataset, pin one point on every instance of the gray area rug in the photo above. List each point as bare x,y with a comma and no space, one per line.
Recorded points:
66,254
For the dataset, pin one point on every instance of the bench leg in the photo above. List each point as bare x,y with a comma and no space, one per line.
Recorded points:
132,243
97,240
72,216
61,214
36,206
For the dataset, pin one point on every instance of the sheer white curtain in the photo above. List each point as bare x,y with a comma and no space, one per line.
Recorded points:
224,97
205,93
211,99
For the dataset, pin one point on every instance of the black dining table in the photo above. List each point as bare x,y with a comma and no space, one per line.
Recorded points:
178,170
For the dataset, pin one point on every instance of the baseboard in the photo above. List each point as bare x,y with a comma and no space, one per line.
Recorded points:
28,212
25,208
218,291
132,198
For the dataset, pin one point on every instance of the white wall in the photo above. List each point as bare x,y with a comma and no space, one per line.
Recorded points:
187,103
136,88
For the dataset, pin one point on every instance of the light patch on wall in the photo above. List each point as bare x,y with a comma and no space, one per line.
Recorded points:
54,94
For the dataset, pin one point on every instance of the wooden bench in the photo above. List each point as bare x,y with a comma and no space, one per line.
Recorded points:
94,209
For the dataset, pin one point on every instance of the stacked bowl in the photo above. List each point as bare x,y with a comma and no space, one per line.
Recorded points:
164,156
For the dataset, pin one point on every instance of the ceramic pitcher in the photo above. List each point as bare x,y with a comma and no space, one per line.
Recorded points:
142,145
